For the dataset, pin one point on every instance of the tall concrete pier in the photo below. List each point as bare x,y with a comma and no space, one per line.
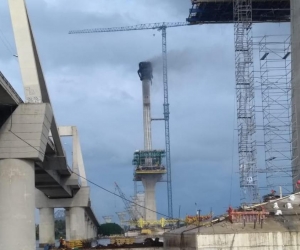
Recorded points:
149,169
46,226
295,38
145,73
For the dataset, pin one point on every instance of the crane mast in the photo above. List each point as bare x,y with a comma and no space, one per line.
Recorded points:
166,118
131,212
161,27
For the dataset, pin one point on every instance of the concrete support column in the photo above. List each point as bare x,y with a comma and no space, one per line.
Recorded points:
77,223
67,221
46,227
295,36
87,227
17,199
149,183
90,230
93,231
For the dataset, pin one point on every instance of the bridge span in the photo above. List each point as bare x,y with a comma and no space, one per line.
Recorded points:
33,168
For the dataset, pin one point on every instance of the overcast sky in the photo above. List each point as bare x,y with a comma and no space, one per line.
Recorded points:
93,84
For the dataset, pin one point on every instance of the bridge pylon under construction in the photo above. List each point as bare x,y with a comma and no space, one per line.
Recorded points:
148,162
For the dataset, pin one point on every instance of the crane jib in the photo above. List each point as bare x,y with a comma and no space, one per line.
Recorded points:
158,26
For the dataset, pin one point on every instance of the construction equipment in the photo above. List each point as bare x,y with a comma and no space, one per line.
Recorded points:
133,213
271,196
250,215
245,98
141,223
122,218
196,219
160,27
119,241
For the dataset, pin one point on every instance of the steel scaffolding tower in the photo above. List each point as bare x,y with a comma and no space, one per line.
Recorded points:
275,75
245,100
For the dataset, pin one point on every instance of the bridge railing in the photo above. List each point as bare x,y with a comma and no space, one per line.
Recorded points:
9,88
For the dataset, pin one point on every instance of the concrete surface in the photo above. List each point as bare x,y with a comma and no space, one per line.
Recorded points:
17,197
77,223
46,226
67,221
136,248
29,131
29,124
149,182
147,114
9,99
80,199
295,38
276,233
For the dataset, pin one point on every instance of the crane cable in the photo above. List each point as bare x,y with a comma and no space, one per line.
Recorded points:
91,182
6,43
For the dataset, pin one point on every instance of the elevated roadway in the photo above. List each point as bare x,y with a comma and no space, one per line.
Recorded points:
9,99
33,166
52,174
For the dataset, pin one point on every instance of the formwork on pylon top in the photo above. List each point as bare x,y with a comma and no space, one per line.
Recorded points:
221,11
148,162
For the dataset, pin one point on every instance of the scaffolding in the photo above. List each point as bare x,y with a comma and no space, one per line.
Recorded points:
244,74
275,77
220,11
140,157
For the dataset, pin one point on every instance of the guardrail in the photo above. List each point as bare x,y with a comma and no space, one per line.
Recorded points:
10,89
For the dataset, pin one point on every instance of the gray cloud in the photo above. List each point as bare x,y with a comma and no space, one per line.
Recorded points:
93,84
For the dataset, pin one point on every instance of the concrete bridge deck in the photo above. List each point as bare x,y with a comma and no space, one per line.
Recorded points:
52,174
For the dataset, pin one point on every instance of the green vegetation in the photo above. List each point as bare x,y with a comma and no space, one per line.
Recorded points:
110,229
59,227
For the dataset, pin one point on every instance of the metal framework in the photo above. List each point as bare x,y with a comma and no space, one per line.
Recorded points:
161,27
167,124
244,74
140,157
122,217
275,75
131,210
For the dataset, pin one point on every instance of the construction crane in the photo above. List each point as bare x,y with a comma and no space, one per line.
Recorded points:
60,215
133,214
163,28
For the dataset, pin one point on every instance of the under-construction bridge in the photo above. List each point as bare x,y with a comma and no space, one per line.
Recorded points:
275,88
222,11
